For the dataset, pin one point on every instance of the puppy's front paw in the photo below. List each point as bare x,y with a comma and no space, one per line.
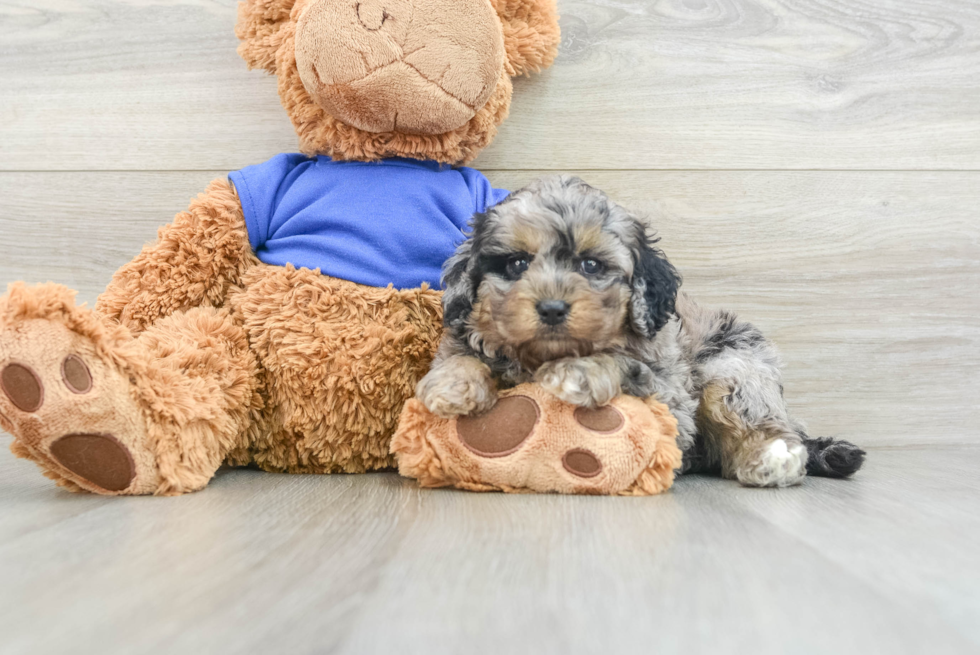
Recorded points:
585,381
458,387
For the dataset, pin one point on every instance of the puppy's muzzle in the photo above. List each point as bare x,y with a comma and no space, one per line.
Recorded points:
553,312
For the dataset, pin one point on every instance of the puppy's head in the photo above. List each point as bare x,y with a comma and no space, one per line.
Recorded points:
557,270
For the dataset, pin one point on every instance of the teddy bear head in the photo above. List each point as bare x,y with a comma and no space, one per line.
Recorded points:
426,79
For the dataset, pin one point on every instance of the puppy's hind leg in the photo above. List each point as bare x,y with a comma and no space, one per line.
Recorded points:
759,449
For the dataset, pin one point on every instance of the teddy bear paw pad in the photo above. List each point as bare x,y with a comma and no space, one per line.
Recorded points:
23,387
75,374
99,458
580,462
602,419
502,430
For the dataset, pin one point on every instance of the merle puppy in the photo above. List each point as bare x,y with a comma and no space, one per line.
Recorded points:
561,286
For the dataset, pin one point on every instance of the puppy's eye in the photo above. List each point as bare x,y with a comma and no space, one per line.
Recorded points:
591,267
516,267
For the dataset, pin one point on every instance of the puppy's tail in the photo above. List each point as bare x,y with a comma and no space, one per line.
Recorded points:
831,458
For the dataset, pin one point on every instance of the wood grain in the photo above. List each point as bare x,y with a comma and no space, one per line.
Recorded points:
369,564
767,84
866,281
924,500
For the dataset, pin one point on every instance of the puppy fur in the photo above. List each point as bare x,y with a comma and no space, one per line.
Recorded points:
561,286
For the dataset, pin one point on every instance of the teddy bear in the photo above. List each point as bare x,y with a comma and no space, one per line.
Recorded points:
284,319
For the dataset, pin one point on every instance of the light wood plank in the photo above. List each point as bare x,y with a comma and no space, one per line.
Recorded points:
866,281
255,557
689,572
156,84
262,563
922,502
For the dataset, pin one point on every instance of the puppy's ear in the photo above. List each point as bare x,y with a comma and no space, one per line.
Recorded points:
655,283
259,28
459,289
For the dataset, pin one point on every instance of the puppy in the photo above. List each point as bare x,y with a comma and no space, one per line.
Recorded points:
563,287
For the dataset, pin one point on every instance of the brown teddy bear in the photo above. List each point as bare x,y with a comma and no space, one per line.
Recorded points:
286,316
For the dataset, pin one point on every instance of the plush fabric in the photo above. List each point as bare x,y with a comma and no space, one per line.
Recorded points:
199,352
420,67
531,34
628,448
375,223
340,358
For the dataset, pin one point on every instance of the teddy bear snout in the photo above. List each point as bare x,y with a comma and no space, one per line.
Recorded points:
370,65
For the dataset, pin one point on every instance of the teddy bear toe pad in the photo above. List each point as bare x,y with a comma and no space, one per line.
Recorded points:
580,462
22,387
601,419
75,374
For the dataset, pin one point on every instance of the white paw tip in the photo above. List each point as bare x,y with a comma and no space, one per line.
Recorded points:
780,457
778,449
779,466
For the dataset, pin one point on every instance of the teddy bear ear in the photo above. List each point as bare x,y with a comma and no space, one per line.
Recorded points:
531,33
259,25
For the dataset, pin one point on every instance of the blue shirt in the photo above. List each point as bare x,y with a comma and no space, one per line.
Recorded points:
375,223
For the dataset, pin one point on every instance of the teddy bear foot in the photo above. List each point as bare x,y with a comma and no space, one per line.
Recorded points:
533,441
67,403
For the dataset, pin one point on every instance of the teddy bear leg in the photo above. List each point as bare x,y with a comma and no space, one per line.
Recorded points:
101,411
340,360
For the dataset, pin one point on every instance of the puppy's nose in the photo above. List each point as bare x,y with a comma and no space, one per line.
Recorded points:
552,312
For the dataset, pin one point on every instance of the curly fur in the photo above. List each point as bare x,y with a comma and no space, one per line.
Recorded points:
531,34
343,359
626,328
194,261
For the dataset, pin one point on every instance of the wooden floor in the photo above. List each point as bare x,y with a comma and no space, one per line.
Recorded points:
264,563
814,164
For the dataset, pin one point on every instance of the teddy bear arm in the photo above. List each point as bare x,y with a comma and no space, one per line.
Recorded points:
193,262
